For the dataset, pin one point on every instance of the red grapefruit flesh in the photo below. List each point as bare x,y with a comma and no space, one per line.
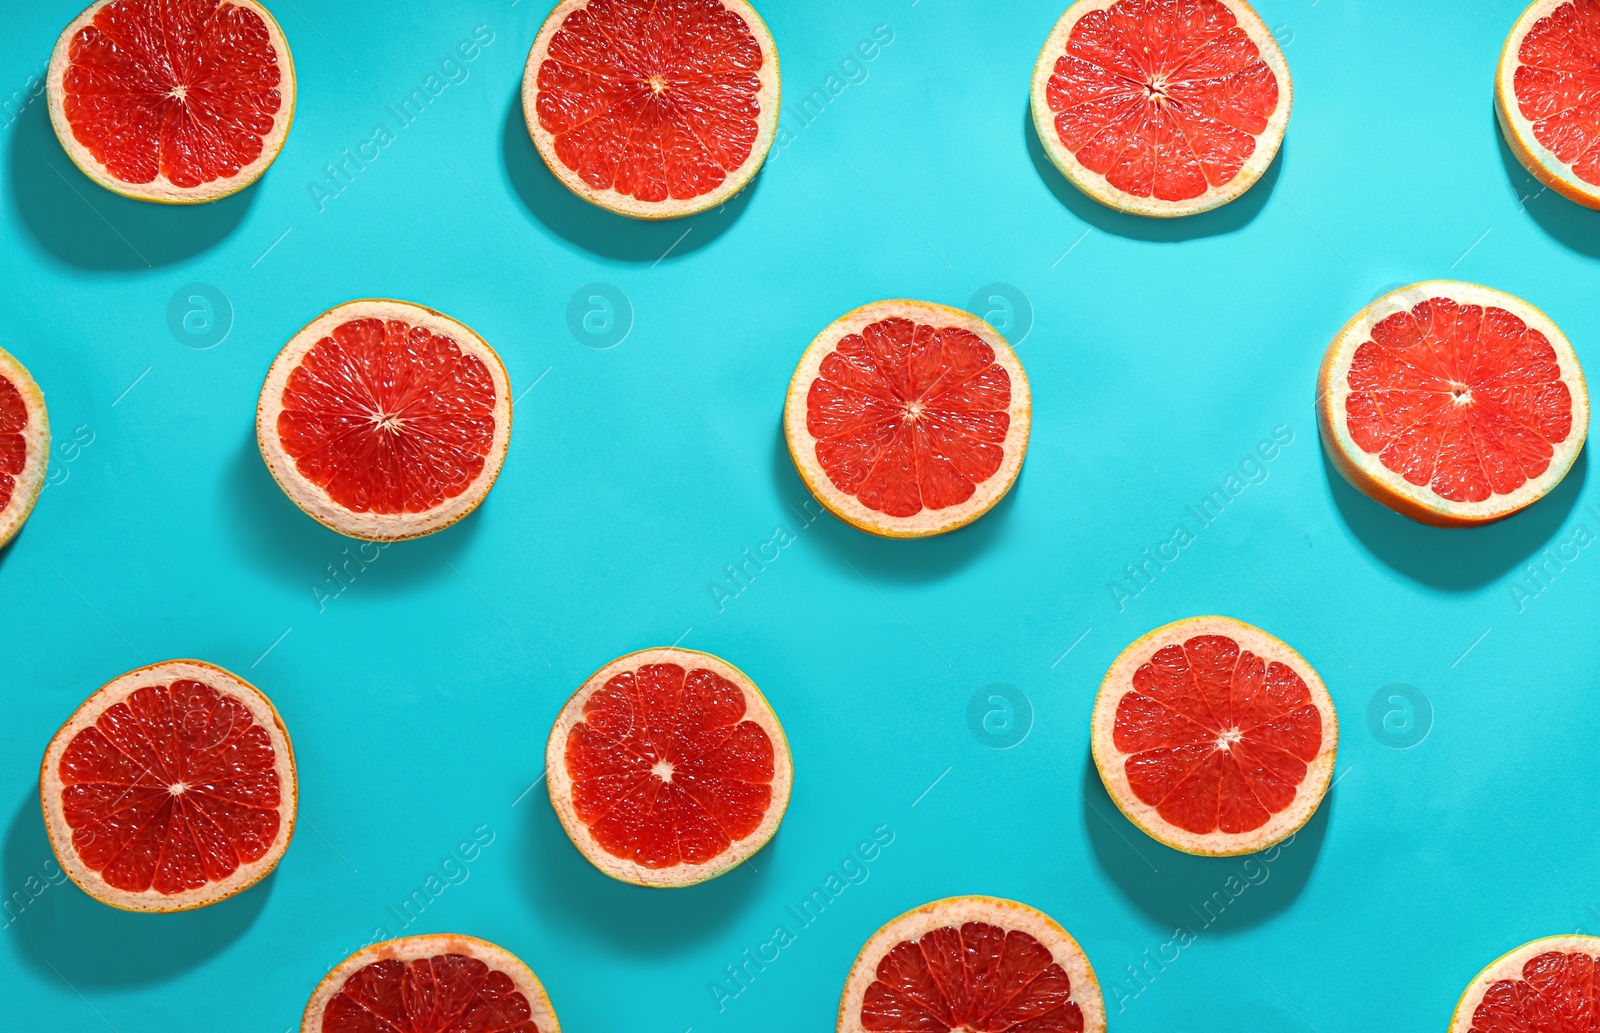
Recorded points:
668,768
1547,95
908,419
385,420
178,101
1547,986
1452,403
171,788
24,445
972,965
1161,107
1214,737
430,984
653,108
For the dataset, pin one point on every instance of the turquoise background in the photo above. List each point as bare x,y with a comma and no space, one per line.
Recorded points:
1160,355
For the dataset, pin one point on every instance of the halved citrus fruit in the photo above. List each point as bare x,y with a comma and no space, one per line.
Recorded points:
908,419
442,983
668,768
1547,986
1161,107
177,101
171,788
385,420
1452,403
972,963
1214,737
24,445
650,109
1545,96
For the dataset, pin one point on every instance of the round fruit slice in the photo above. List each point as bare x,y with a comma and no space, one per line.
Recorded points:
1544,94
24,445
1214,737
1452,403
668,768
430,984
171,788
1547,986
177,101
654,110
1161,107
385,420
908,419
972,963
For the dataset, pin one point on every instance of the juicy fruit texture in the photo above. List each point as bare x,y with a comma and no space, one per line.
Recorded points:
13,439
1219,739
978,978
665,768
446,993
654,99
183,89
170,789
387,417
1467,399
1165,98
908,416
1557,85
1556,994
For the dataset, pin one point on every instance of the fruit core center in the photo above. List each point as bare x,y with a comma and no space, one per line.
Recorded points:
662,769
177,788
388,423
914,411
178,93
1156,89
657,84
1461,394
1228,737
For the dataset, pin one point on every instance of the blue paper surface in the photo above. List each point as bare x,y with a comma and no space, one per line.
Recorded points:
647,460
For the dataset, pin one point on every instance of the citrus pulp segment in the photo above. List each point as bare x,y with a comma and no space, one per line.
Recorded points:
170,788
972,964
385,420
1452,403
176,101
1214,737
1161,107
24,445
668,768
1546,98
908,419
653,108
442,983
1546,986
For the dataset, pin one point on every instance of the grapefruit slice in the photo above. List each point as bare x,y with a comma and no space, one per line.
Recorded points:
653,110
177,101
385,420
1547,986
24,445
1214,737
908,419
171,788
1545,96
668,768
1452,403
443,983
1161,107
972,963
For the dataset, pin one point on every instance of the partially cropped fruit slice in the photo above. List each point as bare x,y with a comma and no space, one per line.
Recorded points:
1452,403
972,964
1214,737
653,109
1161,107
908,419
24,445
178,101
443,983
668,768
1547,986
385,420
171,788
1546,96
